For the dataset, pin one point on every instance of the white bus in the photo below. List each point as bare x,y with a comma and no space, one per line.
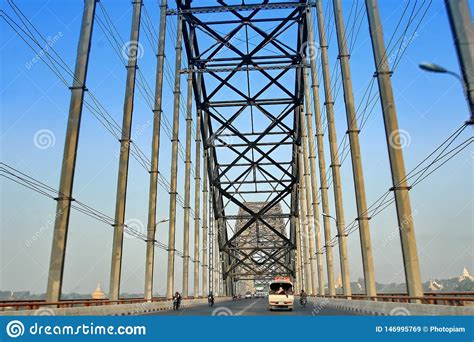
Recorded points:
281,294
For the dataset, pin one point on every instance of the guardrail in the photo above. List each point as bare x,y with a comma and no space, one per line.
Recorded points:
16,305
436,298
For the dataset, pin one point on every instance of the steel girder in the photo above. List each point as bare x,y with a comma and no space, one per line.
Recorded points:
247,81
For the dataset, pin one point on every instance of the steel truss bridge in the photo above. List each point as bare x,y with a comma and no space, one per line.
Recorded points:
252,79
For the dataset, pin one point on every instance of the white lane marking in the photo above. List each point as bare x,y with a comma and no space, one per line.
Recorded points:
245,309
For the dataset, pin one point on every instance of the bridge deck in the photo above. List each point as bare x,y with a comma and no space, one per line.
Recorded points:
254,307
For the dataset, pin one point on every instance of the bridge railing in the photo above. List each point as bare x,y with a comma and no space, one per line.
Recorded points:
436,298
8,305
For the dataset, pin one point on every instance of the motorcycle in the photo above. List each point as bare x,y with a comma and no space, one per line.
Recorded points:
176,304
210,301
303,301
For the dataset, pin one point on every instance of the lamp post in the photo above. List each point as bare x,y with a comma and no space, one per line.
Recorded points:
162,221
432,67
157,223
329,216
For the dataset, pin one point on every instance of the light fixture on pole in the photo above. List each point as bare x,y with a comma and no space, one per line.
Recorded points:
162,221
432,67
327,215
157,223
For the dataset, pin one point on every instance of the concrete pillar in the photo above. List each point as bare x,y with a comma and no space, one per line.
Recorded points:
211,239
314,184
63,208
197,203
357,172
187,184
205,200
174,161
293,256
217,257
229,286
155,153
321,161
120,201
312,290
395,153
304,219
335,165
297,280
460,19
299,249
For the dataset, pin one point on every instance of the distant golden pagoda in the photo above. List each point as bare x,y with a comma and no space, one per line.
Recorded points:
98,293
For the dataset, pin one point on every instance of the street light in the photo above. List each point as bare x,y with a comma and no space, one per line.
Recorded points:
432,67
162,221
327,215
157,223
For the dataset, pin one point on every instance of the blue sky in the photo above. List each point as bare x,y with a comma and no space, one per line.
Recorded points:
430,107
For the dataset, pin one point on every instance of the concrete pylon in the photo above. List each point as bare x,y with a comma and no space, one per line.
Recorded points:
174,161
187,184
63,208
462,28
357,172
155,153
395,153
205,202
314,183
211,235
197,203
304,221
125,141
297,255
217,258
321,159
312,290
335,165
299,242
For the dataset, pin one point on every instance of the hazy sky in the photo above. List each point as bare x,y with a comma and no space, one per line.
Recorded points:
430,107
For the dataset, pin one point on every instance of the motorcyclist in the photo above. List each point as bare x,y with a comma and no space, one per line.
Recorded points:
177,300
303,296
210,299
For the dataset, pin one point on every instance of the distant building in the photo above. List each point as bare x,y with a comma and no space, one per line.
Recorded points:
434,286
465,275
98,293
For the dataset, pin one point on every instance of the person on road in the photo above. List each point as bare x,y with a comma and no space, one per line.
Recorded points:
177,300
303,299
210,299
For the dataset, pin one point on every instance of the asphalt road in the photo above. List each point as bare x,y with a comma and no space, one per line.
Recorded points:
254,307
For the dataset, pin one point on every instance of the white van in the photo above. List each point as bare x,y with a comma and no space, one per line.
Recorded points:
281,294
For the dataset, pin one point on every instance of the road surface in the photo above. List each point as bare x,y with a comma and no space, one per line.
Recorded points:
254,307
